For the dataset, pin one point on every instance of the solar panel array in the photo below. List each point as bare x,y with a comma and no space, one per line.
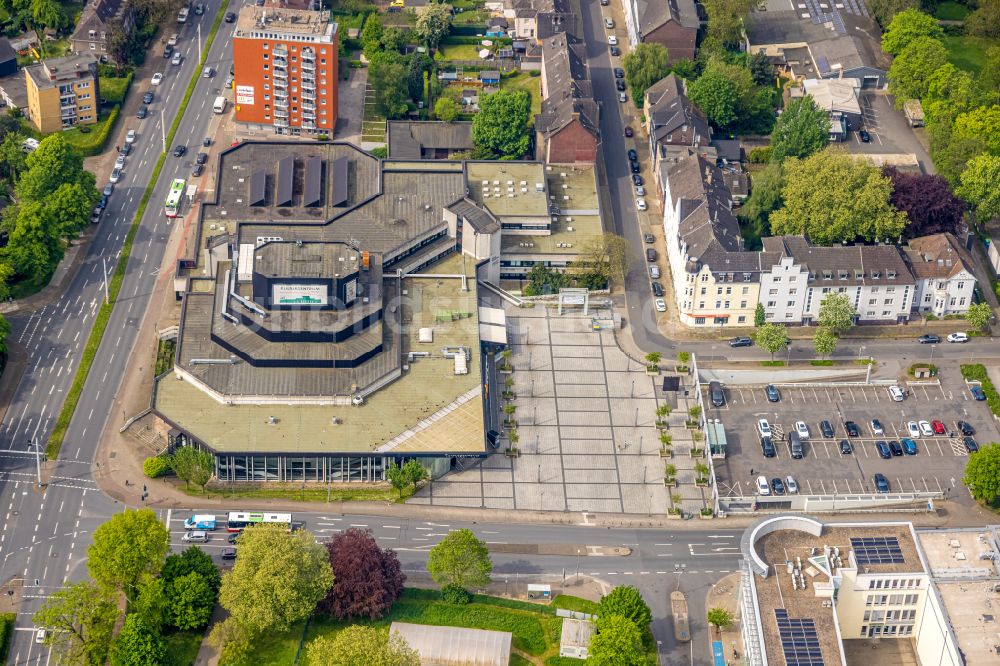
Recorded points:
313,191
257,189
799,640
877,550
286,169
339,174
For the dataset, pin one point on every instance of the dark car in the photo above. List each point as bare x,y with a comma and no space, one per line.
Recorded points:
648,238
168,51
197,170
865,136
147,97
883,449
619,84
126,149
928,339
852,429
615,51
741,341
628,131
230,17
619,73
965,428
103,203
199,9
650,255
767,447
179,150
657,289
207,141
233,537
970,444
895,448
201,158
826,429
637,179
881,483
635,167
773,395
632,155
977,393
142,112
777,486
910,447
845,447
716,393
229,553
108,189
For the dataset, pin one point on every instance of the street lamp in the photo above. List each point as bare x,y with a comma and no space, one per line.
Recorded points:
861,351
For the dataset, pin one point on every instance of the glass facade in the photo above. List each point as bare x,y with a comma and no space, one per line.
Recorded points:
265,468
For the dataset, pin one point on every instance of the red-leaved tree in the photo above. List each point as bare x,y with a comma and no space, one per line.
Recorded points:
927,200
366,579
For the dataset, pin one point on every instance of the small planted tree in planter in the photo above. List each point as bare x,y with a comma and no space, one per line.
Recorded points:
508,384
662,412
514,438
653,362
670,475
505,365
683,358
509,410
693,414
675,508
666,445
701,474
707,512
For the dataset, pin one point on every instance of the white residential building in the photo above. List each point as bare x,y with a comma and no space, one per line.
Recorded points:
943,270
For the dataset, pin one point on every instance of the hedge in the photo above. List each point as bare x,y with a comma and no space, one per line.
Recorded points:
55,442
976,372
7,621
93,143
156,467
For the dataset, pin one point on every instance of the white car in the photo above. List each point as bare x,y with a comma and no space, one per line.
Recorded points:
157,79
661,305
612,40
764,428
130,136
926,429
116,175
622,97
173,40
790,486
896,394
640,190
640,204
913,429
762,487
802,429
120,162
876,427
958,337
177,59
40,635
609,23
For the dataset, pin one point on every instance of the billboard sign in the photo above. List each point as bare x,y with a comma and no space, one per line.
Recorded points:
244,95
299,294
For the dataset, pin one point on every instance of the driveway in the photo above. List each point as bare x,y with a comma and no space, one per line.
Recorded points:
890,132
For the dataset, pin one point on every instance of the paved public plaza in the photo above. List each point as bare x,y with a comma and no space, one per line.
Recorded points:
586,420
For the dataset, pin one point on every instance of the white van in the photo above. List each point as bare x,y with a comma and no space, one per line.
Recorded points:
220,105
197,536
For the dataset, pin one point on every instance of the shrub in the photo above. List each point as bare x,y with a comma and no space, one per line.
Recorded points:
976,372
535,72
93,143
760,155
6,632
381,152
455,594
156,467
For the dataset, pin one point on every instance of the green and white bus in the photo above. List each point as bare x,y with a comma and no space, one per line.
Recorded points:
174,197
237,521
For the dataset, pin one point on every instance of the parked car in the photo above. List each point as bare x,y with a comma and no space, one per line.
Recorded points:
108,189
157,79
640,204
938,427
651,255
103,202
777,486
615,51
970,444
640,190
177,59
896,449
116,175
928,339
791,485
612,40
207,141
925,429
826,429
877,428
883,449
619,84
168,51
637,179
622,97
173,39
657,289
120,162
125,149
913,429
977,392
230,17
654,271
197,170
619,73
762,486
716,393
229,553
179,150
801,429
764,428
147,97
201,158
634,166
142,112
865,136
881,483
896,393
965,428
773,395
130,136
661,305
632,155
741,341
909,446
845,447
609,23
958,337
795,445
767,447
628,131
852,429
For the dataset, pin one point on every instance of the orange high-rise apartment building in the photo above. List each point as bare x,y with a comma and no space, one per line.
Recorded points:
286,71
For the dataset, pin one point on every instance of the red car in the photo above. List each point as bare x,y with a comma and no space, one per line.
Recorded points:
938,427
628,131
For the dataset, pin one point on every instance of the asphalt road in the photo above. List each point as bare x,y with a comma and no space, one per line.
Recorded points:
45,534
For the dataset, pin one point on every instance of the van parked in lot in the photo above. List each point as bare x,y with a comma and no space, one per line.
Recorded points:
716,393
795,444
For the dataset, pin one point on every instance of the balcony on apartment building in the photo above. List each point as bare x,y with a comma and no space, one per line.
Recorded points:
281,113
308,65
280,122
308,106
280,73
308,124
280,51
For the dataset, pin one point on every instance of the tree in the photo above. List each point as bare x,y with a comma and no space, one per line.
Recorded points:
759,316
80,618
979,316
52,164
192,560
193,465
761,69
446,109
719,618
825,341
151,602
906,26
982,473
128,546
398,479
831,197
606,256
771,337
371,35
367,578
952,91
277,580
460,559
34,247
68,209
725,19
990,73
985,21
618,642
983,122
646,64
627,601
433,23
885,10
138,644
416,75
717,96
12,155
764,199
979,186
47,13
726,92
359,644
653,358
800,131
836,313
928,202
910,70
191,600
544,280
501,126
951,154
388,81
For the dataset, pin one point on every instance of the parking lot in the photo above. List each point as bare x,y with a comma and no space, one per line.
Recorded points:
936,467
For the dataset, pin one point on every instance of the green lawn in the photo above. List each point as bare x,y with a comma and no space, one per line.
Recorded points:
90,139
461,52
531,84
113,89
951,11
477,17
311,493
182,647
966,52
566,602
